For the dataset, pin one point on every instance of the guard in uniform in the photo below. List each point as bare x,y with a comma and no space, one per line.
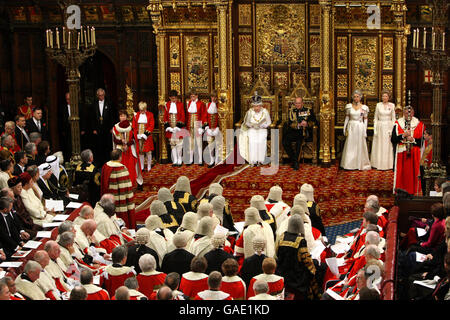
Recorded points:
87,173
212,130
174,120
298,129
196,122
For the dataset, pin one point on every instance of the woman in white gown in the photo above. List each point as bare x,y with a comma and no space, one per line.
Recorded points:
382,155
355,155
253,136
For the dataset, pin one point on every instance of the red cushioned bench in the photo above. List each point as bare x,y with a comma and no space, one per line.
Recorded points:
388,285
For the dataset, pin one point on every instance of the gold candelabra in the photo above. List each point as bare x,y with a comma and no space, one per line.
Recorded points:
70,48
429,47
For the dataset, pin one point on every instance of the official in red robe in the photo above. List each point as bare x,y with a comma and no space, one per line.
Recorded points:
196,122
10,130
174,120
143,125
407,144
115,179
27,108
124,139
212,131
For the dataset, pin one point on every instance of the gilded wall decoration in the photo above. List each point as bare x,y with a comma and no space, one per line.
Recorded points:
216,51
426,14
191,15
175,81
174,51
216,80
19,14
314,80
245,80
245,50
372,106
245,15
297,77
280,33
365,65
388,53
107,12
91,13
142,14
35,14
314,51
127,13
342,85
281,80
314,15
388,82
342,49
197,63
340,112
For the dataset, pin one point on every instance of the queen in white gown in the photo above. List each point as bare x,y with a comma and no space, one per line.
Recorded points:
382,155
355,155
253,134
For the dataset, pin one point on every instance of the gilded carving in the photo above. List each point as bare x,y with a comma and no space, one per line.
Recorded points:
342,85
314,15
365,65
314,78
127,13
216,51
388,82
197,63
340,112
245,50
142,13
245,80
314,51
280,33
91,13
175,81
245,15
342,49
388,53
184,15
174,49
281,80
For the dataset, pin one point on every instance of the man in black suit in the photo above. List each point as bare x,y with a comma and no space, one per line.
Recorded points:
20,133
11,235
65,134
178,260
36,124
102,118
21,163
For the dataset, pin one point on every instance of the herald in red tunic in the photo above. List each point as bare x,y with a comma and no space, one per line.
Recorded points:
180,116
201,113
148,144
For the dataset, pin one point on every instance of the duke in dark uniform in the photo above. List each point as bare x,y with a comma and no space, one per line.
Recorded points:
88,175
298,129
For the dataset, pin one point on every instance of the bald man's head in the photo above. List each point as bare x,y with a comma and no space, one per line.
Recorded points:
41,257
88,227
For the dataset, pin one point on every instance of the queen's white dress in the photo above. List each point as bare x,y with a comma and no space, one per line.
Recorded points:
355,155
253,135
382,155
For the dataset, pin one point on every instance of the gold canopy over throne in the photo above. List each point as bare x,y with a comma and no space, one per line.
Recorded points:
238,47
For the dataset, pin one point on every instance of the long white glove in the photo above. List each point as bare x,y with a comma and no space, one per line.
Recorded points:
200,131
215,132
176,129
209,132
264,126
169,129
143,136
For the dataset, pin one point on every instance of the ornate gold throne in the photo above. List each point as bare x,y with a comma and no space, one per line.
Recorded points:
309,148
269,99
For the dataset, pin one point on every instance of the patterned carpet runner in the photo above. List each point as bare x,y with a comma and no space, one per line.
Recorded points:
341,194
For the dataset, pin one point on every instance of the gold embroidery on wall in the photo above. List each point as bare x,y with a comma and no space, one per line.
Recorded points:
365,65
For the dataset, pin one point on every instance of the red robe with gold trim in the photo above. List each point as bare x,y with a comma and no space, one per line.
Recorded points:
201,114
149,126
26,111
407,165
116,180
180,117
130,156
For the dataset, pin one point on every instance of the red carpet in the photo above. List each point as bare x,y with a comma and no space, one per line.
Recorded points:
341,194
